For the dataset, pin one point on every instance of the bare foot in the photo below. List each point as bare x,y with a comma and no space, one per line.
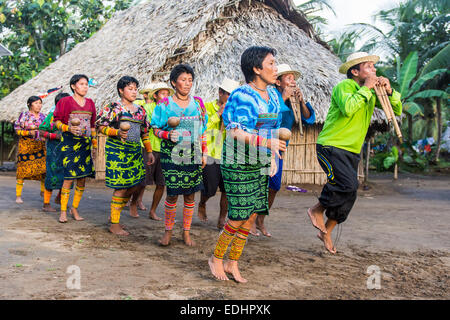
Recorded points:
19,200
117,229
231,266
141,206
134,210
316,218
165,240
253,231
121,225
326,239
48,208
263,230
202,212
187,239
152,215
216,267
221,223
63,217
75,215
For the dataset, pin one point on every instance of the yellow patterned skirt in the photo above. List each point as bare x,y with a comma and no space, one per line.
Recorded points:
31,159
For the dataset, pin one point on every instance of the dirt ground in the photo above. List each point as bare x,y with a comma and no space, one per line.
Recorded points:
401,227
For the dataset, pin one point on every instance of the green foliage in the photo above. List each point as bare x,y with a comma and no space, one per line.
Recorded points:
38,32
391,158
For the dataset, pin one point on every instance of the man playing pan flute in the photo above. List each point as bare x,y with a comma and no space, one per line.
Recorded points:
339,143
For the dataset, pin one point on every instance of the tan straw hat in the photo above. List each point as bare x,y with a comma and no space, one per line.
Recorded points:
159,86
228,85
357,58
147,89
286,69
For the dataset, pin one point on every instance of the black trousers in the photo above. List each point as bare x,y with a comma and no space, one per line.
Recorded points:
339,193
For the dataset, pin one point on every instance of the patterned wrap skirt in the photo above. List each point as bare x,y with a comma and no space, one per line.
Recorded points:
76,157
55,172
181,166
246,180
124,164
30,159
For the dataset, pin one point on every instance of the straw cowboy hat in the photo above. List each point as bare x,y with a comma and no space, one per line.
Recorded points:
357,58
228,85
147,89
159,86
286,69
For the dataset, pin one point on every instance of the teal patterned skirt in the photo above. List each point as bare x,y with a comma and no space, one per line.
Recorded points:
181,166
55,172
246,180
124,164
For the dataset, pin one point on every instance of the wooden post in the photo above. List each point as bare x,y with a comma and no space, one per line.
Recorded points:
395,171
1,143
366,176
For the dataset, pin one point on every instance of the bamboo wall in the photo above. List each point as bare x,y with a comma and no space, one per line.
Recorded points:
300,164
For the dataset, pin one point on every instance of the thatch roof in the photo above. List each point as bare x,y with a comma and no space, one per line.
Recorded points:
147,40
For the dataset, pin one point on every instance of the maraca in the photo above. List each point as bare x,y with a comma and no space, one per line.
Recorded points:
124,126
75,122
284,134
173,121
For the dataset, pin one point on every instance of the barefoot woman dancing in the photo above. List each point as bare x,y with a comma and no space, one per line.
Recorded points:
183,149
78,142
124,163
250,115
339,143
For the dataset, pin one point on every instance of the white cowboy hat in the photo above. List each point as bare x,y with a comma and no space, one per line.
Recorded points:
147,89
228,85
286,69
357,58
159,86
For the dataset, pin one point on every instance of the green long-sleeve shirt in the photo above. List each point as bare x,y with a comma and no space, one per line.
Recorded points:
349,115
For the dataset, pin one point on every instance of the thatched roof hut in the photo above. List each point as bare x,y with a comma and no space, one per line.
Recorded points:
147,40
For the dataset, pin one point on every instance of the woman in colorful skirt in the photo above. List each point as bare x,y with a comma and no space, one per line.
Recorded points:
124,163
183,149
31,150
251,118
55,174
75,117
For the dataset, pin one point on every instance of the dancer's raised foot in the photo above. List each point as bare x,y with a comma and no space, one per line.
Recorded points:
165,240
115,228
326,239
231,266
216,267
316,217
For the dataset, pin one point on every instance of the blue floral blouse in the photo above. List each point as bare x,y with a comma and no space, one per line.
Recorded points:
193,118
247,110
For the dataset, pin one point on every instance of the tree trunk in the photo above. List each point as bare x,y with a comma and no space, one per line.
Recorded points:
410,128
439,127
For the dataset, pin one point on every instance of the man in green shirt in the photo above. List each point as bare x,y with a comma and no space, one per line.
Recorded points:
215,133
339,143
